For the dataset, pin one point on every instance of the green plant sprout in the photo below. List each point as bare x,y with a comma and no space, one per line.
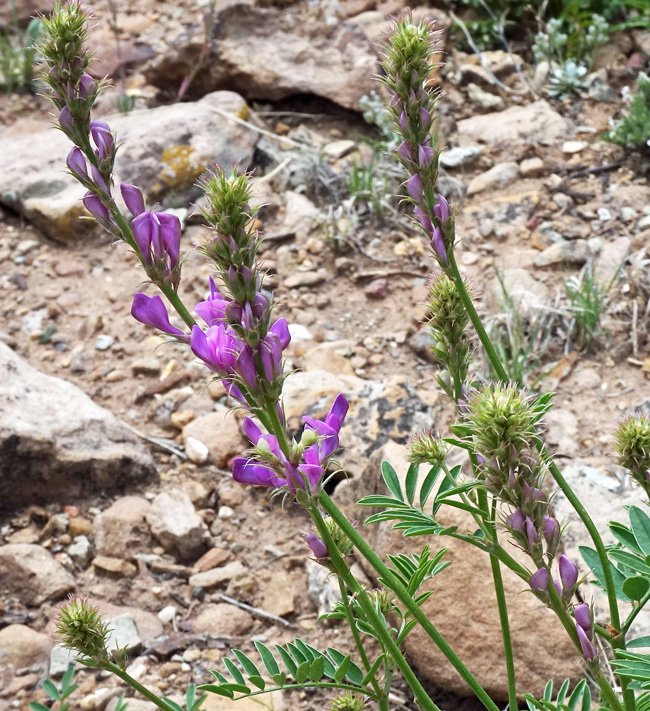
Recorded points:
634,129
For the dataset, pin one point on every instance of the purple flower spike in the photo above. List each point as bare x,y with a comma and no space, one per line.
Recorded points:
97,209
76,163
103,139
582,614
425,155
65,119
588,649
442,210
151,311
568,573
133,199
87,86
539,581
414,187
318,548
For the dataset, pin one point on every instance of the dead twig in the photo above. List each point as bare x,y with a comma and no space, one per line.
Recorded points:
579,171
256,612
160,442
253,127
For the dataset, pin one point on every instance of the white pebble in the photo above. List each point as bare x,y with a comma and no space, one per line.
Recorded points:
196,451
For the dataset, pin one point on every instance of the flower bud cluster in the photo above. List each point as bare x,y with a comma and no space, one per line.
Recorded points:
447,321
633,448
407,66
426,447
79,628
504,425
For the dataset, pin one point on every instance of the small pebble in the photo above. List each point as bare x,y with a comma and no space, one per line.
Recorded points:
104,342
196,451
570,147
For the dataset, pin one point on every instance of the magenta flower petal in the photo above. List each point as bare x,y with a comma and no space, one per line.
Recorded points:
318,548
76,163
551,530
405,152
588,649
248,471
516,520
531,532
539,581
338,412
438,246
251,430
414,187
151,311
568,573
133,199
582,614
65,119
425,155
281,329
170,235
86,86
97,209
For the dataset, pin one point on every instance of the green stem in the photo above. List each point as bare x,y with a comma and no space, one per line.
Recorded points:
114,669
608,693
384,636
503,608
179,306
357,637
631,617
406,599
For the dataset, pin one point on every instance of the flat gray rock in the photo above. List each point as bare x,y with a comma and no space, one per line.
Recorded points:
56,442
164,151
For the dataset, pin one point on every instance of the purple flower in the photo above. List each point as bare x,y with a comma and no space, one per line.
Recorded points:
330,427
248,471
318,548
532,494
76,163
213,309
158,236
65,119
424,219
271,347
133,199
414,187
151,311
442,210
531,532
539,581
99,181
438,245
218,348
516,520
551,531
588,649
405,152
425,117
425,155
97,209
582,614
568,573
403,121
103,139
86,86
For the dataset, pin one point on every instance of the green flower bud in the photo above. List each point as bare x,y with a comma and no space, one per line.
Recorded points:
79,628
340,538
348,701
427,448
633,448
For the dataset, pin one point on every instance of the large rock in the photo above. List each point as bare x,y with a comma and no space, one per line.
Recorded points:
31,573
463,607
122,528
165,150
175,523
56,442
531,124
272,54
24,646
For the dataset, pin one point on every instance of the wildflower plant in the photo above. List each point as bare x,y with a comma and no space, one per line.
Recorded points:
238,339
634,129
